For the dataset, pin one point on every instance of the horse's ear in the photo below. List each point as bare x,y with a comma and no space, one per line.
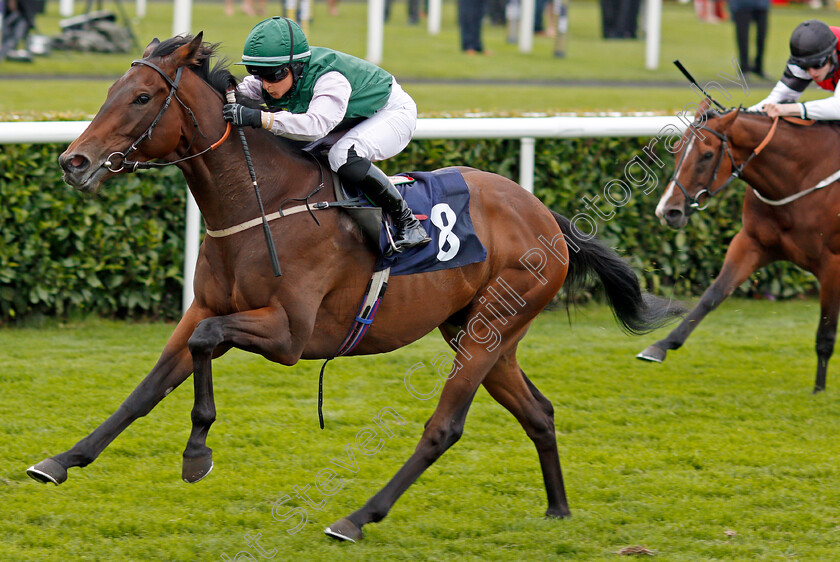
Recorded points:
186,55
151,47
727,119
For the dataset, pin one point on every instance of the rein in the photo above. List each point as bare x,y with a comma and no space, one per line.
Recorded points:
131,166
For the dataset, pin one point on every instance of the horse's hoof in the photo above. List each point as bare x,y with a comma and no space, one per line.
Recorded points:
558,513
48,472
652,354
196,468
344,530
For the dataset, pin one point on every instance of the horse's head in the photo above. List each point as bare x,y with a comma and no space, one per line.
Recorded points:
704,166
142,118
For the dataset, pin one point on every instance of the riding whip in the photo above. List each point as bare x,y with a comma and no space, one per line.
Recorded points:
269,240
691,79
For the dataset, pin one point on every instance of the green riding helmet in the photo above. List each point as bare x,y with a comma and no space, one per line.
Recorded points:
274,42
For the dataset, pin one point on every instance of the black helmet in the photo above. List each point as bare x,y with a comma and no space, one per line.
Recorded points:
812,44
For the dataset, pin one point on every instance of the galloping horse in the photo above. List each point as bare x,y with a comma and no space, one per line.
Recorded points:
168,106
790,213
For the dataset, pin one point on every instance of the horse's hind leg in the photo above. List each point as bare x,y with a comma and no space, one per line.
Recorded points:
511,388
827,329
743,257
173,367
472,362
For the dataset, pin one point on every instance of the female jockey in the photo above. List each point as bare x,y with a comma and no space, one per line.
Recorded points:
813,56
311,91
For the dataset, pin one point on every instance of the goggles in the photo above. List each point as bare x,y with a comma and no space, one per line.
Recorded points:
817,60
270,74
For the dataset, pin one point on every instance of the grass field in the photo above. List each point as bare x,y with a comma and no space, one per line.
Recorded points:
415,57
720,453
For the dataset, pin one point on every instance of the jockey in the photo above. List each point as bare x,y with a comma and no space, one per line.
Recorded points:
309,92
813,57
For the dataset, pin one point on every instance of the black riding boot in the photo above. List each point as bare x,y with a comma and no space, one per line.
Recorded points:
378,188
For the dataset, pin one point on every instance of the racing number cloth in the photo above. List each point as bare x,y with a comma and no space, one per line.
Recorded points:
441,200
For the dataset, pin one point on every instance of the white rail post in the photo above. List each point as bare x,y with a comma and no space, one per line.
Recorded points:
191,244
653,25
181,17
434,17
181,23
65,8
527,154
526,25
376,29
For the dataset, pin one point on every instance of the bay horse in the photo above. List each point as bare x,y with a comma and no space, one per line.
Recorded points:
790,211
168,106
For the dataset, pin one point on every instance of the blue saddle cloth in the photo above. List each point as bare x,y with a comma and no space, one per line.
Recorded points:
441,200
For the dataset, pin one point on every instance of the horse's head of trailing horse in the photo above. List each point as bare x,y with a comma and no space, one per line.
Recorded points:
704,166
146,115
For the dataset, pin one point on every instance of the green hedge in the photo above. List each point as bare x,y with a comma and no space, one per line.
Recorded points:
679,262
120,253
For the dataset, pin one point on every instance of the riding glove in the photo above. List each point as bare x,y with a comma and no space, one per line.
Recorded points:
240,115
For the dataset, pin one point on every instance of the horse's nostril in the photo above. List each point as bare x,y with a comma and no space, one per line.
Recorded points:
672,214
74,163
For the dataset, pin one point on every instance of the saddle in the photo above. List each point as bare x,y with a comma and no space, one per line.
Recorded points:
360,209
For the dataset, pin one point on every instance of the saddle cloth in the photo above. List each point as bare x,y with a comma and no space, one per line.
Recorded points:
441,201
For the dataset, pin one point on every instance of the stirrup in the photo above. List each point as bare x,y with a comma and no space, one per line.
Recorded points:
392,246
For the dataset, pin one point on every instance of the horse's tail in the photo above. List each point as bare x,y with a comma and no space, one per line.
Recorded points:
636,311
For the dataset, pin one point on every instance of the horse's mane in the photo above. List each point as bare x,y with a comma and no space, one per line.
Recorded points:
219,76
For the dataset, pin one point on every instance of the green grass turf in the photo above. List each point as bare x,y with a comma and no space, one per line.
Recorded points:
720,453
412,54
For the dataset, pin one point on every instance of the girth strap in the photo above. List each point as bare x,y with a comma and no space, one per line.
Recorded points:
370,304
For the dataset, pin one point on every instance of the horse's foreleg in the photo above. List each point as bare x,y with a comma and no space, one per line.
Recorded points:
511,388
264,331
173,367
827,329
743,257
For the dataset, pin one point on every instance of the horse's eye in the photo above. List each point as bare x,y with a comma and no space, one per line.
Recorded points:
142,99
708,155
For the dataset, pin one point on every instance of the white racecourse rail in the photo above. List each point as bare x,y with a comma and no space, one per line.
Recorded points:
526,129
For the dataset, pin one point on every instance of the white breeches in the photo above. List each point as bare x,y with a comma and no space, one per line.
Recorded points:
383,134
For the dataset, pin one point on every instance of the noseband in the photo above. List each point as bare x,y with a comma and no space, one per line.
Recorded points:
692,203
131,166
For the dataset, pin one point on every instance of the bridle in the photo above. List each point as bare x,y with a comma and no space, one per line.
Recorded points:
131,166
692,203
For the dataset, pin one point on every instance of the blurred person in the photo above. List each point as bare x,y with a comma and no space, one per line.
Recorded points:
813,58
619,18
744,13
414,11
18,22
710,11
496,11
539,16
470,14
309,92
247,7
